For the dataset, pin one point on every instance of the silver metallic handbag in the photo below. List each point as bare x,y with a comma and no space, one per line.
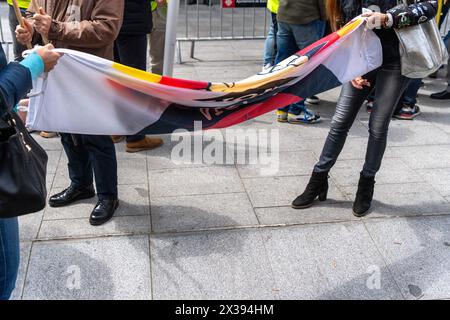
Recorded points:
422,50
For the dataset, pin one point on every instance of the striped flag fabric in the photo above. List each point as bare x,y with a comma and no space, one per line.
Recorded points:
86,94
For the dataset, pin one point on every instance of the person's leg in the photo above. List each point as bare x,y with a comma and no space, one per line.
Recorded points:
407,108
270,45
80,173
102,155
349,103
132,51
305,35
390,85
80,167
103,158
285,48
157,39
17,47
347,108
9,256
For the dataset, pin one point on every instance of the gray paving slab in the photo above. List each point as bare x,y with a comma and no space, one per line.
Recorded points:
404,200
80,228
52,144
284,164
417,254
185,213
211,265
320,212
417,135
97,269
281,191
424,157
29,225
438,178
134,200
179,150
332,261
354,148
194,181
289,136
53,160
132,171
393,170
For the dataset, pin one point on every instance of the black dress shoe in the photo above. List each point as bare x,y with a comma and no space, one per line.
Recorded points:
71,195
103,211
443,95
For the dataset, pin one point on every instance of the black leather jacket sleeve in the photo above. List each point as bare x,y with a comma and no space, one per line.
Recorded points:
413,14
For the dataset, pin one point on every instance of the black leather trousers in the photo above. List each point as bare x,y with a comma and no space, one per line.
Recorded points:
390,85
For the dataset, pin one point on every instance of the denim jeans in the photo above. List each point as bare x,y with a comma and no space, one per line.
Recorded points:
294,37
390,85
410,95
9,256
270,46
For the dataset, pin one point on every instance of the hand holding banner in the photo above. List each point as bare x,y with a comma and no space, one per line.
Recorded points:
39,10
20,19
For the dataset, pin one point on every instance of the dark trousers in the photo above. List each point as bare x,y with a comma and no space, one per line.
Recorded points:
91,155
131,50
13,23
390,85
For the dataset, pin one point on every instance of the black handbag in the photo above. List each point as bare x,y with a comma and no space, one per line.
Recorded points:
23,169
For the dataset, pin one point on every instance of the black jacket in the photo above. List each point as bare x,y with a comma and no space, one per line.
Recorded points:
423,10
137,17
419,12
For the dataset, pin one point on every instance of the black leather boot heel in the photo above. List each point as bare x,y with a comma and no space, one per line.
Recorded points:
364,195
317,187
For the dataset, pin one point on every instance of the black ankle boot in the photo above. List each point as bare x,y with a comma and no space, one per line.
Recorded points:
364,195
317,187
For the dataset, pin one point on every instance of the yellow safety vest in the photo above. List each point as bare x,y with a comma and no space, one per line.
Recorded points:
154,5
24,4
273,5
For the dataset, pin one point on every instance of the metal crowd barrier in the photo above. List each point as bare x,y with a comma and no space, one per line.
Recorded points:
212,20
7,44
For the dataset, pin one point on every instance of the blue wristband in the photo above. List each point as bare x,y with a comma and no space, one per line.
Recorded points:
35,64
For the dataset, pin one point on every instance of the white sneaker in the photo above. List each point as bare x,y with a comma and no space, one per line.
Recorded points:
267,67
304,117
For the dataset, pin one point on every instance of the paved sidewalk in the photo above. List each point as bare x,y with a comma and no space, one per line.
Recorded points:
226,232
